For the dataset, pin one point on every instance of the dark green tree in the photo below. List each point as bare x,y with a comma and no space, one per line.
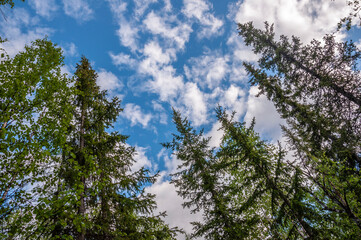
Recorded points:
98,196
245,188
316,88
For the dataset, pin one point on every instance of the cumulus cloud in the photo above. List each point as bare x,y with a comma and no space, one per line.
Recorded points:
162,115
215,134
135,115
108,81
234,100
167,5
141,160
156,63
70,50
162,26
128,30
44,8
194,104
20,29
268,121
207,70
307,19
123,59
78,9
200,10
168,200
141,6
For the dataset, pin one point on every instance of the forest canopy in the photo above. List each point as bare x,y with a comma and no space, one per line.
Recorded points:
66,172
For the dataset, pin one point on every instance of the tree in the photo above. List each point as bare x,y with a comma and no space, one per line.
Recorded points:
316,88
33,120
245,188
8,2
97,195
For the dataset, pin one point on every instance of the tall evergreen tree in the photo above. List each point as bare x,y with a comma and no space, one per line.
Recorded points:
316,88
245,188
98,196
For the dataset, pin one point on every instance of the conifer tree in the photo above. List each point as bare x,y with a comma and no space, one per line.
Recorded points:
245,188
316,88
98,196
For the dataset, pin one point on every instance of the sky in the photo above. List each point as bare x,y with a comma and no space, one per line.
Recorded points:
159,54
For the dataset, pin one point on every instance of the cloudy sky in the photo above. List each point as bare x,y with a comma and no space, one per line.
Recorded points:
159,54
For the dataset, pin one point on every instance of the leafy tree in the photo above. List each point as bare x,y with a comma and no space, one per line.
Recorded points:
33,121
316,88
97,195
8,2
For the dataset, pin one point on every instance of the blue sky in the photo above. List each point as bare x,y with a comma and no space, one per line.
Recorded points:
159,54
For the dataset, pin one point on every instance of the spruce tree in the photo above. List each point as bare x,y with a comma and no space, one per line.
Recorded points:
316,88
98,196
245,188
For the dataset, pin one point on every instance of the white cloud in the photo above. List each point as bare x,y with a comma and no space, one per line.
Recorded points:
216,135
128,30
78,9
44,8
240,51
20,29
268,121
108,81
141,160
167,5
165,81
199,9
207,70
123,59
162,115
234,100
155,53
168,200
141,6
134,113
194,104
307,19
70,50
162,26
128,34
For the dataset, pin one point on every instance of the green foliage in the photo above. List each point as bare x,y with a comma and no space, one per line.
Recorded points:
8,2
315,87
244,188
33,122
96,195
